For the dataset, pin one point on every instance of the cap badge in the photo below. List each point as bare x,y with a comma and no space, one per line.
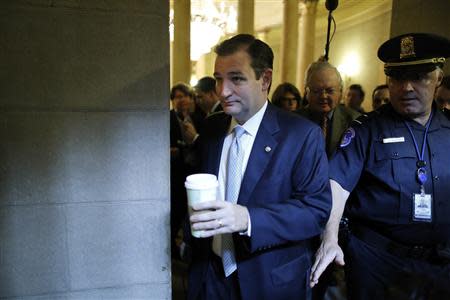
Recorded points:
407,47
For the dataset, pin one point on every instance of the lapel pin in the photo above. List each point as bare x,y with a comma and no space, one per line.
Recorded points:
267,149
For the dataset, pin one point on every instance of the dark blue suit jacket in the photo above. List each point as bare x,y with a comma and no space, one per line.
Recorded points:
287,193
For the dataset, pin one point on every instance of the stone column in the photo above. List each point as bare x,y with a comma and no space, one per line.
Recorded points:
308,9
181,68
289,41
84,160
246,16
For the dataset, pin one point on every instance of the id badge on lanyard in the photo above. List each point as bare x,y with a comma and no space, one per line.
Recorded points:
422,202
423,205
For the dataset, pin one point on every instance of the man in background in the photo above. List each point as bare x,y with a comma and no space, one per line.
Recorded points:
206,95
443,94
380,96
354,97
324,92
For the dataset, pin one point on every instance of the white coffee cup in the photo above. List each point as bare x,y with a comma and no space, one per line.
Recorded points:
200,188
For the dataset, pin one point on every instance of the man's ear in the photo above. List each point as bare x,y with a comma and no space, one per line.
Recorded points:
266,79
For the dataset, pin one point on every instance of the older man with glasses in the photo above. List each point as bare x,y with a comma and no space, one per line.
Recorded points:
323,92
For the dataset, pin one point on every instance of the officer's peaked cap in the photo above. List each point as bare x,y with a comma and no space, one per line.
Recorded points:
414,52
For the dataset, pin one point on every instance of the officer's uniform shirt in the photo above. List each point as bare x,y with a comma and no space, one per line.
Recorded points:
382,175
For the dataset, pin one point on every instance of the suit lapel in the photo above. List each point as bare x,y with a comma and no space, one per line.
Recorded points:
338,126
215,149
262,151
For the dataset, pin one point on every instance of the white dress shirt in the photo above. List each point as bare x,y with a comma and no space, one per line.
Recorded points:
247,139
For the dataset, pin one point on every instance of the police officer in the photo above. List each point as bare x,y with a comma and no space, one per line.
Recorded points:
393,167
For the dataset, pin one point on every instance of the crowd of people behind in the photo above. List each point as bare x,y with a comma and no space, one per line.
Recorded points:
205,112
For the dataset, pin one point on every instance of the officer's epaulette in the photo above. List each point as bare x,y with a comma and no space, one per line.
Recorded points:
363,118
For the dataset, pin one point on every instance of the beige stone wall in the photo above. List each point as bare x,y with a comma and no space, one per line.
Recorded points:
273,38
84,128
421,16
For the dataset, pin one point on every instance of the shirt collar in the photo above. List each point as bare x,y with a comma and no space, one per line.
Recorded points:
437,122
330,114
252,124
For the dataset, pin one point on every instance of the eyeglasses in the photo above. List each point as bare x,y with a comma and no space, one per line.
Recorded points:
317,92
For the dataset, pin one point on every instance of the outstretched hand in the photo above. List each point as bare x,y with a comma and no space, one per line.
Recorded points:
218,217
328,252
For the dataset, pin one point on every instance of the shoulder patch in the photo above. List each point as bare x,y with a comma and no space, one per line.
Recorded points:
347,137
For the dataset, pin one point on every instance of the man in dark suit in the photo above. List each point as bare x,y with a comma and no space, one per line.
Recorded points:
205,90
209,102
354,97
257,244
324,92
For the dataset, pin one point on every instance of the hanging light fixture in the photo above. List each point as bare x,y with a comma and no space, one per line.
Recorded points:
208,24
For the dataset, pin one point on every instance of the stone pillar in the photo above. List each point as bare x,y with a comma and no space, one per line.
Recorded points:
289,40
181,68
84,160
246,16
308,9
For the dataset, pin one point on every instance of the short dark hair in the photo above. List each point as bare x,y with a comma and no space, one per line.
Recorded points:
282,89
446,82
260,53
357,87
182,87
379,87
206,84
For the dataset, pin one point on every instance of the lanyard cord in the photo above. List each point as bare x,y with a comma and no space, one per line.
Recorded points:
420,155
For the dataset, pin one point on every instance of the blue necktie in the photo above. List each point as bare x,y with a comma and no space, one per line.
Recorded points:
233,185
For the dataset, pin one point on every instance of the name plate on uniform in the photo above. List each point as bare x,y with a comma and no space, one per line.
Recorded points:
391,140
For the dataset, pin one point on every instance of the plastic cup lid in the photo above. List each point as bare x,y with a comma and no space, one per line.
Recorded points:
201,181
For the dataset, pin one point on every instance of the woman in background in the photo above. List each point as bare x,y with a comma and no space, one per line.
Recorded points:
287,96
